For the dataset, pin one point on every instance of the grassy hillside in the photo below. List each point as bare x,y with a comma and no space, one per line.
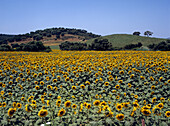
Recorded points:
120,40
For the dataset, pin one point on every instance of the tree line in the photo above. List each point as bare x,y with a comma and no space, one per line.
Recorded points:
32,46
39,34
101,44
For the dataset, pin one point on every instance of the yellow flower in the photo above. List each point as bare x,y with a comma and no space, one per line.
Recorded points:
19,105
67,104
42,113
120,81
117,86
74,87
74,106
28,108
96,103
154,100
136,96
167,113
11,111
106,83
160,105
119,107
146,112
82,86
120,117
61,112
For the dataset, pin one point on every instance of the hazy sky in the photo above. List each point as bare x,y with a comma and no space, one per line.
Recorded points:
102,17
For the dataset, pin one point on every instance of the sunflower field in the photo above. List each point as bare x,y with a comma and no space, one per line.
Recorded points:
85,88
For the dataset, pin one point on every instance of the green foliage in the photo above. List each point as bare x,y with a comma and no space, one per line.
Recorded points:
162,46
5,47
100,45
136,33
148,33
31,46
73,46
121,40
131,46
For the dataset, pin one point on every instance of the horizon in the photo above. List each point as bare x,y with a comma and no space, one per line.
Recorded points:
99,17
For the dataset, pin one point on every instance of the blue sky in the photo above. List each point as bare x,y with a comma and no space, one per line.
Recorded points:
102,17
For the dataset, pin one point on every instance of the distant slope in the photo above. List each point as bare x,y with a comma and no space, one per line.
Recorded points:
49,36
120,40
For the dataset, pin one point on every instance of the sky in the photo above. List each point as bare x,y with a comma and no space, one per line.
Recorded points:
103,17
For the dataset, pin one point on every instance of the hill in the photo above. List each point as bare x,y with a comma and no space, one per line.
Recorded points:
120,40
49,37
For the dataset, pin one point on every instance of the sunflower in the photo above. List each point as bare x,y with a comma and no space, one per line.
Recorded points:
4,104
28,108
11,111
37,87
153,87
47,78
119,107
61,112
148,105
117,86
162,99
33,102
35,82
160,105
135,104
103,103
113,91
167,113
3,85
19,105
142,77
82,86
126,105
154,100
22,99
58,103
10,94
136,96
74,106
120,117
48,102
42,113
88,106
144,102
146,112
2,92
117,97
67,104
41,82
10,82
120,81
106,83
74,87
85,103
121,72
54,80
96,103
151,78
129,85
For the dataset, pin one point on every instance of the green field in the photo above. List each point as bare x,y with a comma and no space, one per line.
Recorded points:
120,40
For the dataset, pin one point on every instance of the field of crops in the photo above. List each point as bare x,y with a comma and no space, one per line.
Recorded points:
85,88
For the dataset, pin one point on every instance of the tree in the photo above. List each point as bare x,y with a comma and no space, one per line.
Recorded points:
136,33
148,33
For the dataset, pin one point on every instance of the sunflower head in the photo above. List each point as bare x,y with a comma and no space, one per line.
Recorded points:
119,107
61,112
88,106
67,104
82,86
120,117
160,105
146,112
42,113
74,87
19,105
11,111
167,113
96,103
